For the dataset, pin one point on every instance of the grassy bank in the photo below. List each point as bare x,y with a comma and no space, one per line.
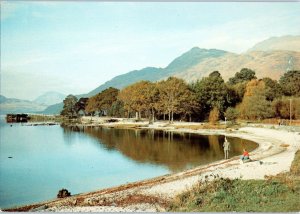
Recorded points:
278,193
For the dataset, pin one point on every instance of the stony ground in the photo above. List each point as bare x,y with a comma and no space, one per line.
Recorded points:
274,155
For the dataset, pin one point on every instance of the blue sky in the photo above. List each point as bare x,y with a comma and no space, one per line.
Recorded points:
73,47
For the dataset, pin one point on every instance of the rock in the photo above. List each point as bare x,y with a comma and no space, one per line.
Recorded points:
38,209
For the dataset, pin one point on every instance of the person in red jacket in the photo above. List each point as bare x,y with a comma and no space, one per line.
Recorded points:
245,155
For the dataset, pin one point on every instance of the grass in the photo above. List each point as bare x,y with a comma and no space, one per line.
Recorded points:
278,193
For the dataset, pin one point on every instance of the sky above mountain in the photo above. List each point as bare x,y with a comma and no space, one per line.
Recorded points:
73,47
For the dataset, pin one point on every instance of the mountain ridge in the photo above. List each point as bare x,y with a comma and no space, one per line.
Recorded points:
49,98
199,62
13,105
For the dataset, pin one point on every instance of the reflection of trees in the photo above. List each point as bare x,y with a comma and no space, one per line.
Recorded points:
68,133
175,150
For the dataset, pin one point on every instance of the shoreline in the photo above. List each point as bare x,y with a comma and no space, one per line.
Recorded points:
276,151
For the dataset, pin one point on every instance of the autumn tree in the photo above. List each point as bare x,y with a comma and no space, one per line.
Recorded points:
140,97
175,97
285,107
290,83
255,104
103,101
214,115
69,108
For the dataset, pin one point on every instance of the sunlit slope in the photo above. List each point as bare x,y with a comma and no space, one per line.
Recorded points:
271,64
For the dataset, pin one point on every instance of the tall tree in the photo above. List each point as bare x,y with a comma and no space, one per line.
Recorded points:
139,97
245,74
81,104
212,92
103,101
272,89
255,104
173,95
290,83
69,108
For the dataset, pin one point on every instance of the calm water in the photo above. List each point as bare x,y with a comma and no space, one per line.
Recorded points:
45,159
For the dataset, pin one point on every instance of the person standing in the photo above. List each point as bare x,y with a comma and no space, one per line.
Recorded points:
226,146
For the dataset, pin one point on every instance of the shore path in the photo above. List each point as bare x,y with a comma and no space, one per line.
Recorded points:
274,155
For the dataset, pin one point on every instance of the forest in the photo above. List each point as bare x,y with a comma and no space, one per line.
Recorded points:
243,96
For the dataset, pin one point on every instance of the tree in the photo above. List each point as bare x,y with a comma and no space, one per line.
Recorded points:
103,101
254,104
231,114
245,74
272,89
282,107
81,104
174,95
117,109
211,92
214,115
69,108
290,83
139,97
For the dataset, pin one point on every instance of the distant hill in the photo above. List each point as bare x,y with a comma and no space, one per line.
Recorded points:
53,109
269,58
12,105
123,80
50,98
181,63
288,43
271,64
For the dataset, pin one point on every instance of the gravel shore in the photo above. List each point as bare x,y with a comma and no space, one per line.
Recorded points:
274,155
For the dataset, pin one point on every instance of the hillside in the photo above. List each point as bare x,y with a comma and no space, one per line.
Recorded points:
12,105
288,43
50,98
269,58
181,63
266,64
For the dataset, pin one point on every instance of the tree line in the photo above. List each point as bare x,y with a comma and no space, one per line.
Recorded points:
211,98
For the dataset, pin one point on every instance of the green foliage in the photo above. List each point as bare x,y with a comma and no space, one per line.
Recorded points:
231,114
272,89
69,108
285,105
117,109
211,92
245,74
290,83
278,193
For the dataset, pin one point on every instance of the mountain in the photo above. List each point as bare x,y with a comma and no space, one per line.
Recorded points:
149,73
192,57
269,58
53,109
50,98
288,43
181,63
12,105
271,64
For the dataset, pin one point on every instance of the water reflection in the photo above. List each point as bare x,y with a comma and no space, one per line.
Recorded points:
177,151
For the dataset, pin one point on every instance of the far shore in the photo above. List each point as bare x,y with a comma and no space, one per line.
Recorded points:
275,153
